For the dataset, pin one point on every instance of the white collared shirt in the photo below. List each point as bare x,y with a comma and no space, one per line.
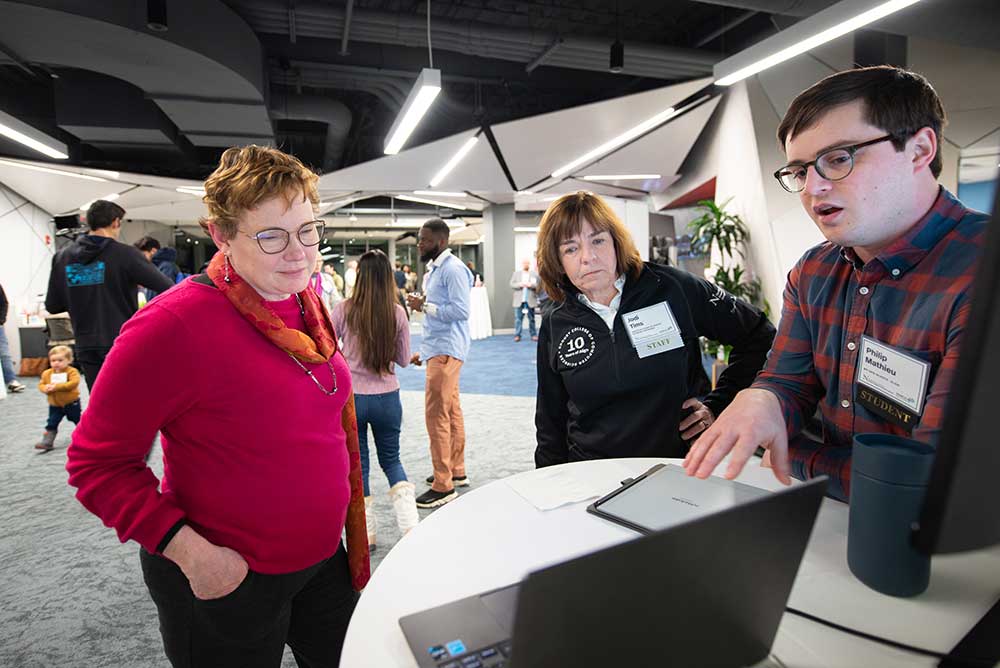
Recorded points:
608,312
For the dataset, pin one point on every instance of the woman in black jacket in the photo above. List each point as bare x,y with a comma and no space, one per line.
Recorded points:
619,360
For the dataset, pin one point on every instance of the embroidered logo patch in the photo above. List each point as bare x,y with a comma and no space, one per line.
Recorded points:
577,346
84,274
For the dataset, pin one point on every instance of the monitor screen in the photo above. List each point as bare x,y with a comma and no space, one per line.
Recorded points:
962,507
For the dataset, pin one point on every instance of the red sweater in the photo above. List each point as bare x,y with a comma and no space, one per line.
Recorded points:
254,454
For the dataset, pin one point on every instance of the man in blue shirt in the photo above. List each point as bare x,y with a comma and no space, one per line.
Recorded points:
445,345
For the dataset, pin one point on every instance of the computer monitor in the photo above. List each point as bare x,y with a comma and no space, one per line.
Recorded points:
962,508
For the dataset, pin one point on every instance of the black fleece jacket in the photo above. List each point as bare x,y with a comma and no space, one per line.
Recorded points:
97,280
598,399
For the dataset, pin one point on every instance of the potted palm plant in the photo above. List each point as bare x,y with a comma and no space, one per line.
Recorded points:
727,232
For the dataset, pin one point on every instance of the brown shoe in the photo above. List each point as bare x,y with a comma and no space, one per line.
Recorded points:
516,339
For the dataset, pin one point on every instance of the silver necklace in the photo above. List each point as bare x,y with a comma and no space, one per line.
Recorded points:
333,373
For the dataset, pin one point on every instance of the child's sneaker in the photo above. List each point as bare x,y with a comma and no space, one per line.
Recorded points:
47,442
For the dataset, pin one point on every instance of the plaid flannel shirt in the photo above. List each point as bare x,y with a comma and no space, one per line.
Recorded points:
914,296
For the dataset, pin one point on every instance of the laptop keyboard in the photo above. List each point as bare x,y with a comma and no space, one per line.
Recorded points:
495,656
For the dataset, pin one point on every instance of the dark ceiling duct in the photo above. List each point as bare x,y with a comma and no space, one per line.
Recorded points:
327,110
320,20
797,8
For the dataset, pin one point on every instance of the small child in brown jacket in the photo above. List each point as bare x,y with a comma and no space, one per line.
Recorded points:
61,383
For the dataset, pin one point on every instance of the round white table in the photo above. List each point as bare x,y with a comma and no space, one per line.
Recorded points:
480,320
491,537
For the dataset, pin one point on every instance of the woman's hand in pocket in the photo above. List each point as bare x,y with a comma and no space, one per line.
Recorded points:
212,570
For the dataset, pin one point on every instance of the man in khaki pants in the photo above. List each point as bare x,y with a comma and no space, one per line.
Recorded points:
445,345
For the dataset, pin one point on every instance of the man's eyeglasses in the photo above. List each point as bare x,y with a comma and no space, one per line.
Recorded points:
274,240
833,165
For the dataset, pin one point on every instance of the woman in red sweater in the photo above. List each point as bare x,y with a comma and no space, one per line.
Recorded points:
238,369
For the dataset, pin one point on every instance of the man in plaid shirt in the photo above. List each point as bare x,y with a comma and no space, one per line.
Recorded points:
872,319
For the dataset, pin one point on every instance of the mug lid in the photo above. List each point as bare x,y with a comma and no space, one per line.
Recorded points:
892,459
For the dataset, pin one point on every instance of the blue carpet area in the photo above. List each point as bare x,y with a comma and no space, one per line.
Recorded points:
495,365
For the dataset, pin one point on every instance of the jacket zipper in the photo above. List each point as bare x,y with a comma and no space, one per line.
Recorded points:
614,353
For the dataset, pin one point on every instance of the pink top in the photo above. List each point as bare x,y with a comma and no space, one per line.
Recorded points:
255,456
365,380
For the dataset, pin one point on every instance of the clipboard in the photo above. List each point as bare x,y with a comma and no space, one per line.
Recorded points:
665,496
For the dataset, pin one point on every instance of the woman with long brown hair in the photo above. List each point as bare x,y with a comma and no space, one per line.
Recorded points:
376,335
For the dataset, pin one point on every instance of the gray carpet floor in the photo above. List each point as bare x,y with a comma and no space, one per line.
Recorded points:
72,595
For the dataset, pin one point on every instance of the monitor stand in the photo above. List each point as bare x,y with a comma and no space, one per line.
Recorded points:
980,646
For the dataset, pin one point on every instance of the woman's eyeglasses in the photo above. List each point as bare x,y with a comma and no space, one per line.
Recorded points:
274,240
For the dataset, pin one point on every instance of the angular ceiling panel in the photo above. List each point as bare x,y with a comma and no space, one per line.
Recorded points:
660,152
535,147
414,168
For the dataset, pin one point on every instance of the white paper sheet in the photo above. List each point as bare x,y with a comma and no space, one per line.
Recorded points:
560,485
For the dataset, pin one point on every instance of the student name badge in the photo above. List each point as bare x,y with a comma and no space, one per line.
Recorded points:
57,378
891,383
653,330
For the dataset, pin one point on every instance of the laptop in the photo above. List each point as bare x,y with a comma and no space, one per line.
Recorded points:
708,592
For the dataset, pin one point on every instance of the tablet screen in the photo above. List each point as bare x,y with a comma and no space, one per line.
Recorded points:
669,496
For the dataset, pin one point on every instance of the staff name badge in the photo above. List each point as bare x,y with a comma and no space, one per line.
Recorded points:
653,330
891,383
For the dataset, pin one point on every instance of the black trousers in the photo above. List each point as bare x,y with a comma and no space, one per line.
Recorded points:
91,360
248,628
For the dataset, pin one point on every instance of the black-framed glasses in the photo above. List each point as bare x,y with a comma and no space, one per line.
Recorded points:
833,165
274,240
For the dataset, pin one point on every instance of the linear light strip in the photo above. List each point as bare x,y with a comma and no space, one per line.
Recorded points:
21,138
614,143
424,200
49,170
620,177
455,159
423,93
109,198
816,40
438,193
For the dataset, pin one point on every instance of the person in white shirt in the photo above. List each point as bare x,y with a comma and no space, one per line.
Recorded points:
524,282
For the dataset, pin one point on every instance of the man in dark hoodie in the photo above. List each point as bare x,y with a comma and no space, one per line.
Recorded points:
97,280
165,259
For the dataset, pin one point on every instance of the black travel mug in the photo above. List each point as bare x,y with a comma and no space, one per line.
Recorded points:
889,477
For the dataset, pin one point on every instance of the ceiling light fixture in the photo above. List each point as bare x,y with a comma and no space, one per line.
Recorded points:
108,174
49,170
618,141
617,63
833,22
438,193
455,159
620,177
191,190
425,89
24,134
424,200
156,15
526,229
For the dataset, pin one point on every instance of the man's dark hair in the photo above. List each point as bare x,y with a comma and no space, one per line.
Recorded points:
147,244
438,228
895,100
101,214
